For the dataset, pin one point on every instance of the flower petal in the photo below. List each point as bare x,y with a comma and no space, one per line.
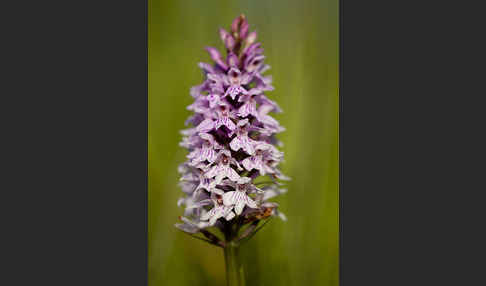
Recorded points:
207,67
207,215
235,144
200,204
187,227
233,60
230,216
216,56
250,203
240,204
248,163
217,191
229,198
213,172
244,180
281,215
230,173
205,126
273,193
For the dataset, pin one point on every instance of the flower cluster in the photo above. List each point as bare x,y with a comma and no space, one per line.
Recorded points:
232,139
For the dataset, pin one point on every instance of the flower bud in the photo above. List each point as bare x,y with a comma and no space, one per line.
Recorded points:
237,25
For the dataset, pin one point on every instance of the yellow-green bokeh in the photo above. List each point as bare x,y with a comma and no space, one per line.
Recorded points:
300,39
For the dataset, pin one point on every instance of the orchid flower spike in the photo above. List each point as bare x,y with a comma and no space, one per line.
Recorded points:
231,144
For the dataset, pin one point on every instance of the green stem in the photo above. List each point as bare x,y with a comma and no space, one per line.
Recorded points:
235,275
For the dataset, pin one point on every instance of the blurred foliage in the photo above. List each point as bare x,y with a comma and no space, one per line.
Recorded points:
300,39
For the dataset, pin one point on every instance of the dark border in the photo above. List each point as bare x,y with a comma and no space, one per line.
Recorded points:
409,144
76,75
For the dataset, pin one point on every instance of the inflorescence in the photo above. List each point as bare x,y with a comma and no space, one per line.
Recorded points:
231,143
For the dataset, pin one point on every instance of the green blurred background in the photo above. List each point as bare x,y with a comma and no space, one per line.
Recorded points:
300,39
